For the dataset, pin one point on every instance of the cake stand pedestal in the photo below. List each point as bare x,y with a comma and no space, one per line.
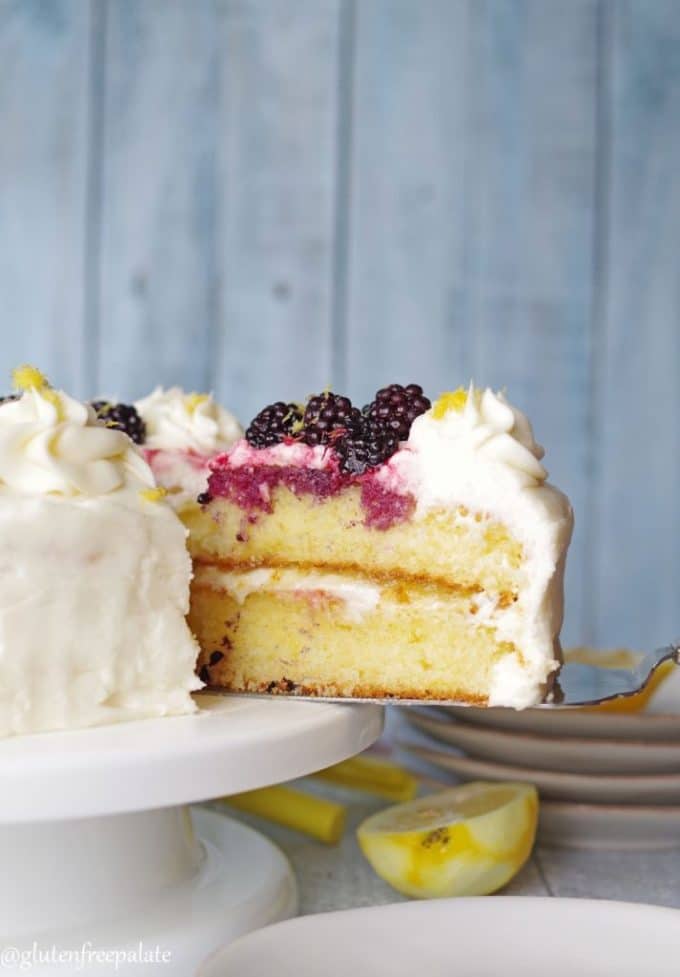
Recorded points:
105,869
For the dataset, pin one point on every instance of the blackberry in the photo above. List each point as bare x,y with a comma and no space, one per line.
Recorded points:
371,445
328,417
122,417
273,424
397,407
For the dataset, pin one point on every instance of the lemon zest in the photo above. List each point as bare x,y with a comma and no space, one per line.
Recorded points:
153,494
27,377
194,400
453,400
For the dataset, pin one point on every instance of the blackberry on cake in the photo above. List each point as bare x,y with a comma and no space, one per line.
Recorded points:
122,417
397,407
328,417
273,424
367,446
407,550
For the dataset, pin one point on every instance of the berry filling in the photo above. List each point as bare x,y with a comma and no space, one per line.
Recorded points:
335,444
251,488
383,507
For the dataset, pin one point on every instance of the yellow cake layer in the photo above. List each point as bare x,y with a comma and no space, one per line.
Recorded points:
420,642
462,549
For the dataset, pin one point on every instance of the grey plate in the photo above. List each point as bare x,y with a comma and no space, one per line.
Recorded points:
571,754
655,789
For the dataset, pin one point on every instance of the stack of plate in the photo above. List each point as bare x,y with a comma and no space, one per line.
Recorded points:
606,779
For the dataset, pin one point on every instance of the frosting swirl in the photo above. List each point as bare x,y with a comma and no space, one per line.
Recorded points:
52,444
482,424
176,420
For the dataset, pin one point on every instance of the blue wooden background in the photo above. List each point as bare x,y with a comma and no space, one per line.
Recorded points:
263,197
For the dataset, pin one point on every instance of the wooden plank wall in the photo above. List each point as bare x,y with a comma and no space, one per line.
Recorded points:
263,198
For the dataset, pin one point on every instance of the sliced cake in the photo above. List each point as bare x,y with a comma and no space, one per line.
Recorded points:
404,550
94,572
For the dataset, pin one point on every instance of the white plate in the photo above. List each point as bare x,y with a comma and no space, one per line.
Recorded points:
597,789
485,937
567,753
230,745
608,827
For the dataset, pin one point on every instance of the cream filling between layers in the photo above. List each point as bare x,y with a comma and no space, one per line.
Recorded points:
356,597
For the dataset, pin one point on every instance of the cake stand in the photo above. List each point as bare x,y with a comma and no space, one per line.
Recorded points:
105,868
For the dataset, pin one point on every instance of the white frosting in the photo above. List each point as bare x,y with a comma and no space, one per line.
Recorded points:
179,421
487,432
484,456
53,444
182,473
294,454
183,432
357,598
94,575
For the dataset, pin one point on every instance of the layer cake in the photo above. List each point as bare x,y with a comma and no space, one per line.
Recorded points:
406,550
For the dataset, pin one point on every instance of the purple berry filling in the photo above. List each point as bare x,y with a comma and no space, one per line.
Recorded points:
384,508
251,486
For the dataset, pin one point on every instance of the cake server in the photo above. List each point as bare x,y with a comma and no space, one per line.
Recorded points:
576,685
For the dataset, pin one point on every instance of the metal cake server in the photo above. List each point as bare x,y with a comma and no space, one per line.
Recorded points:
577,685
588,685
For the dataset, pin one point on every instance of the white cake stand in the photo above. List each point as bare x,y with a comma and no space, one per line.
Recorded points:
100,857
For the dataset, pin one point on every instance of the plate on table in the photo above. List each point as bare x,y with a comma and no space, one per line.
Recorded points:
656,789
483,937
608,827
574,754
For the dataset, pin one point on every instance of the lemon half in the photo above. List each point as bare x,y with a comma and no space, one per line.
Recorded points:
466,841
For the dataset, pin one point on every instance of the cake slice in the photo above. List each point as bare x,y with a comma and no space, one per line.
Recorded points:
94,572
405,550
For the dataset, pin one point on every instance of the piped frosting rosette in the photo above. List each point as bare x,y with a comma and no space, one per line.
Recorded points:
181,421
53,444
